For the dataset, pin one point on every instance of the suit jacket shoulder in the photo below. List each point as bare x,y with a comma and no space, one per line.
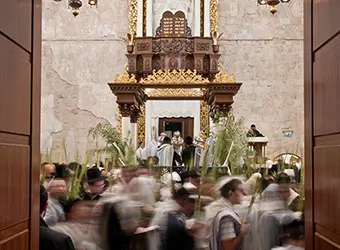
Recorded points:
52,240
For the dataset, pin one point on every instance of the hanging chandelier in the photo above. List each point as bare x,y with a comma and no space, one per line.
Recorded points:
272,4
75,5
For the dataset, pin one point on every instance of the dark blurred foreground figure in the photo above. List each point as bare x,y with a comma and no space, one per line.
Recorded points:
49,239
174,235
188,155
293,236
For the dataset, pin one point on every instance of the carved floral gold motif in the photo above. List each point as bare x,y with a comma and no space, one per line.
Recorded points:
133,12
175,93
224,77
141,125
174,77
125,77
214,15
204,119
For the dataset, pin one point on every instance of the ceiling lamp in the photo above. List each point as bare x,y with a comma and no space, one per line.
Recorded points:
93,3
272,4
76,4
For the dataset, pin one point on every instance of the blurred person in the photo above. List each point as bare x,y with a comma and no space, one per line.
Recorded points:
191,180
77,213
188,155
226,229
142,153
293,236
57,196
272,213
48,172
171,218
48,238
253,132
142,189
94,184
119,221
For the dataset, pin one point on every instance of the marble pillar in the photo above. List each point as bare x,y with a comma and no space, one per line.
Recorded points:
126,127
197,18
206,18
134,135
140,19
149,18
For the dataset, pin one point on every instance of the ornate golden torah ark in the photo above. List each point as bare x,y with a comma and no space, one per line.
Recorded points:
173,65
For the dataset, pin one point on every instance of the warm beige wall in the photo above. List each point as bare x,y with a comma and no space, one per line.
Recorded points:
80,55
266,53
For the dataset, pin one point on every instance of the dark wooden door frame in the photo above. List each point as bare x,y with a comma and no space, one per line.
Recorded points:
183,120
20,39
308,113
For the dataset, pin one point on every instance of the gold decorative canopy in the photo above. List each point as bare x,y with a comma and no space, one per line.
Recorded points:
174,77
175,93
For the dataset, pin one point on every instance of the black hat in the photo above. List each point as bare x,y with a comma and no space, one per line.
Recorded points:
93,175
194,174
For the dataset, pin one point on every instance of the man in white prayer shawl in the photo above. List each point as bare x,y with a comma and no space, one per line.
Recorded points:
226,229
142,188
167,155
142,152
272,212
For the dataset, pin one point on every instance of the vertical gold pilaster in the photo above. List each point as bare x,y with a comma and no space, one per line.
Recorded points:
214,15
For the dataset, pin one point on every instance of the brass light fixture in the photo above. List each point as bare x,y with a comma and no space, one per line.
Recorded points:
75,6
93,3
272,4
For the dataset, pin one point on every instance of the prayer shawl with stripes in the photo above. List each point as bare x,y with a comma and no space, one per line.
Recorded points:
215,212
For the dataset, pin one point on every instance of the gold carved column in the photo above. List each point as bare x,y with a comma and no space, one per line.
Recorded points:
204,119
133,13
214,15
141,125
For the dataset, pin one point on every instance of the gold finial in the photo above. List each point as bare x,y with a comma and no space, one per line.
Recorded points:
215,37
126,67
130,38
125,77
223,77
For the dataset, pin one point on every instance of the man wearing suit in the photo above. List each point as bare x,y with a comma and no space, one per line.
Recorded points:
49,239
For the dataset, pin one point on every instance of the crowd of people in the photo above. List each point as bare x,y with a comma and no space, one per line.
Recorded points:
175,151
173,211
